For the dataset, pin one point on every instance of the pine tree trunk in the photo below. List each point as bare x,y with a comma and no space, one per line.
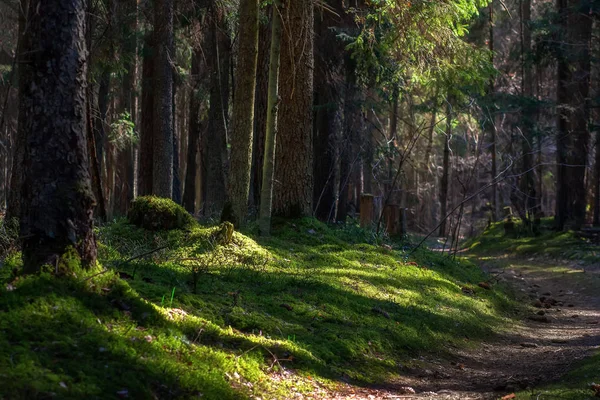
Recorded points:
573,114
146,129
294,163
528,187
243,112
57,198
491,122
268,170
13,206
162,157
189,193
445,171
215,149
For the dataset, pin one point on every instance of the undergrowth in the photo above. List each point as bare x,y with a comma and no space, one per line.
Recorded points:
176,315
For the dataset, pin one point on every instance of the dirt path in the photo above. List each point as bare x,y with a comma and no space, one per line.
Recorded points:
564,329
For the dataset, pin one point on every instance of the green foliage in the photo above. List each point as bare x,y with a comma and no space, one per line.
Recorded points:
154,213
122,132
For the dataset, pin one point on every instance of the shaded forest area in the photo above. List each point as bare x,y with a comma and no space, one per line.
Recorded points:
431,116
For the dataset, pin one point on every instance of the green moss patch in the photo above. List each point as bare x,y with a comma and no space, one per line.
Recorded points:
155,213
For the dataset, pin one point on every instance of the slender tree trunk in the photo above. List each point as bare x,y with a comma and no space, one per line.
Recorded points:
491,121
189,193
260,112
145,170
445,171
57,198
243,112
215,150
528,119
266,196
162,157
294,163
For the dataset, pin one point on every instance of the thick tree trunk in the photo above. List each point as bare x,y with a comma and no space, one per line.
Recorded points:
294,161
215,151
162,157
147,118
243,112
573,114
57,198
268,170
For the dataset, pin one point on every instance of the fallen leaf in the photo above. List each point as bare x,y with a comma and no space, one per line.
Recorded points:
509,396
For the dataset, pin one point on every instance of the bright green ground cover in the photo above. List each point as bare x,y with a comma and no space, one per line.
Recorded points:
328,303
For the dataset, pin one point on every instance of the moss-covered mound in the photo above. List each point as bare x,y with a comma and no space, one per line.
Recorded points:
159,214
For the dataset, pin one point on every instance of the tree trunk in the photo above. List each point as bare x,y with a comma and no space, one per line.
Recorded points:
268,170
528,187
573,114
215,151
57,199
146,129
260,112
162,157
243,112
189,193
445,171
491,121
294,162
13,206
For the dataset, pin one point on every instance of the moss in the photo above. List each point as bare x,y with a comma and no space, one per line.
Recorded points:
158,214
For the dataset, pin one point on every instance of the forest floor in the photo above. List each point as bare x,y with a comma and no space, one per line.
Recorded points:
314,312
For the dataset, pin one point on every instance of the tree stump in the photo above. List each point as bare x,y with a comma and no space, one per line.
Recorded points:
391,214
366,210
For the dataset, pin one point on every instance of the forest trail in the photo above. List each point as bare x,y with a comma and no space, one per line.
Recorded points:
564,328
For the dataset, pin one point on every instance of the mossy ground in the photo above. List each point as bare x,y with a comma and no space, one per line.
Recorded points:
197,318
546,243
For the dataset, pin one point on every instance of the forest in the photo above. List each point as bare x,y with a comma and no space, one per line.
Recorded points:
281,199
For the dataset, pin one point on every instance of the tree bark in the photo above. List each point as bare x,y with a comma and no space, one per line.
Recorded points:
268,170
13,206
491,122
57,198
162,157
573,114
146,129
215,150
243,112
189,193
445,171
294,162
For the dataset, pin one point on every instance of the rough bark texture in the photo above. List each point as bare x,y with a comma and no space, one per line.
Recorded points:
146,130
573,114
162,157
294,162
215,151
57,199
243,112
491,122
